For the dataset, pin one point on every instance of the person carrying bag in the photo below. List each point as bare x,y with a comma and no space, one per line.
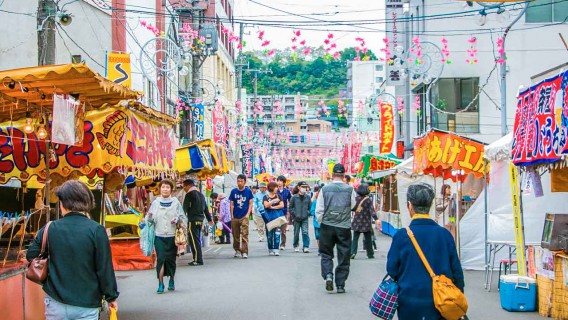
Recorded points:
448,299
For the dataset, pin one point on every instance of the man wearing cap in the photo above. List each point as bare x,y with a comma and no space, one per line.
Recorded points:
333,212
258,209
299,208
415,300
195,208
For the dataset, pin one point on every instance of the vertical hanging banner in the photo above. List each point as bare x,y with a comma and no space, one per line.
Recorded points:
219,127
246,150
198,116
118,68
351,154
517,218
387,129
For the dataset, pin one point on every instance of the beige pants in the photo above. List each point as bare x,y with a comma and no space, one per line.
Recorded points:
260,225
240,228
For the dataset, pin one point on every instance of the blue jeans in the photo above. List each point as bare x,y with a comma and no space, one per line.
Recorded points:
273,239
55,310
305,235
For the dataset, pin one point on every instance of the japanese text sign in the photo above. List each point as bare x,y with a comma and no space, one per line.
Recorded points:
440,150
541,122
387,128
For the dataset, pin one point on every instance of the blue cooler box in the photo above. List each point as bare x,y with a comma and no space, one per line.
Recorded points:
517,293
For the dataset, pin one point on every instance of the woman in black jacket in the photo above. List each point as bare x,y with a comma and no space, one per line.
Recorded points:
80,263
363,213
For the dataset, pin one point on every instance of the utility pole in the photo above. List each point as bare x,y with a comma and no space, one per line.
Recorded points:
240,64
195,65
46,32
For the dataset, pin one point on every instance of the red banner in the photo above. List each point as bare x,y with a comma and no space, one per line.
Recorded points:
438,153
220,127
351,154
387,128
541,122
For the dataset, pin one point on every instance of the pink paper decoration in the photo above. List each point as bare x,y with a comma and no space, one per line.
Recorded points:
472,51
501,51
445,51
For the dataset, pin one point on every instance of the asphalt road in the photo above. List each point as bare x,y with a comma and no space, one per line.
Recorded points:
267,287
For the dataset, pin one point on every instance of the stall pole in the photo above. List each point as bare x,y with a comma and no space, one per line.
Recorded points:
47,180
103,211
486,218
458,213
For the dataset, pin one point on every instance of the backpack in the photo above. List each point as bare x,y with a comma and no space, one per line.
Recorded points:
448,299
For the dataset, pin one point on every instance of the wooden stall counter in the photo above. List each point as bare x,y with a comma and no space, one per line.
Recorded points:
21,298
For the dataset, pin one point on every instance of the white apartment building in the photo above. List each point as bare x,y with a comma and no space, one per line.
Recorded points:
291,122
532,46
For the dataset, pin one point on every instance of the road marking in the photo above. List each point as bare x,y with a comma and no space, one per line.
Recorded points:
217,250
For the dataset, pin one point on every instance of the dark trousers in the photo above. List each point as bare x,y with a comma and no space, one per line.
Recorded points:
226,234
194,239
331,237
367,242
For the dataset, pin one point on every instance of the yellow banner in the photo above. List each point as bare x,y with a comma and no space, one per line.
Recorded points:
113,137
118,68
519,236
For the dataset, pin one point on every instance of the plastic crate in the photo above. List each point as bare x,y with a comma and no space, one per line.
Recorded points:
517,293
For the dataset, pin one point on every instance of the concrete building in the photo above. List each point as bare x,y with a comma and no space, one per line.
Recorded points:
364,79
531,46
318,126
289,121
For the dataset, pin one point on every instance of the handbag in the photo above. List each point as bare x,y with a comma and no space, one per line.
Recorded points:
448,299
180,238
385,299
37,269
276,223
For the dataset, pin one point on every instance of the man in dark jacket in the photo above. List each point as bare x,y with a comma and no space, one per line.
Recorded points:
415,300
195,207
299,208
333,211
80,261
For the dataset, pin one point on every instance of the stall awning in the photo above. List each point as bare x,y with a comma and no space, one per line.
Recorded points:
371,163
540,133
439,153
32,88
205,158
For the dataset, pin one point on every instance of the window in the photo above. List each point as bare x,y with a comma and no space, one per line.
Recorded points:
455,95
379,67
547,11
379,79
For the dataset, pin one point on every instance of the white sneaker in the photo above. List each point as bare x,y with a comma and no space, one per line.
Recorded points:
306,250
282,248
260,239
245,256
296,249
276,253
271,253
236,254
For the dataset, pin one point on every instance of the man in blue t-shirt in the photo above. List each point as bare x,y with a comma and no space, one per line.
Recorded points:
241,207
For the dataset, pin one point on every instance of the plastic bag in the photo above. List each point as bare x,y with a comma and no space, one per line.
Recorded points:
113,315
147,235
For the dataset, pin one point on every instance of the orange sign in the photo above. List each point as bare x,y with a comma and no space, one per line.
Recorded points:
387,128
439,152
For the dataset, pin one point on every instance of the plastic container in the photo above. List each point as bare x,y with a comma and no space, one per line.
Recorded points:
517,293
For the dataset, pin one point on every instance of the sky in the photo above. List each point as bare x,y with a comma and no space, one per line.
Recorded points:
345,14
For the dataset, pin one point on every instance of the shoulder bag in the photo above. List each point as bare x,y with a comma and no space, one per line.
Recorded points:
37,270
180,238
448,299
385,299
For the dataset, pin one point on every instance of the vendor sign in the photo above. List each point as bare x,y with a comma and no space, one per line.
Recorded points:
371,163
541,122
114,137
443,151
387,128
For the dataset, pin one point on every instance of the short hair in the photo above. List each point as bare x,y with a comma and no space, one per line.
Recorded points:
271,186
188,182
168,182
281,178
421,196
296,189
316,188
242,177
214,195
347,178
75,196
363,190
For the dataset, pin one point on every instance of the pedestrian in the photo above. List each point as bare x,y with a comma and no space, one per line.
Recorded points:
259,209
363,214
333,211
446,210
166,213
214,204
80,263
313,214
285,195
195,208
225,218
272,202
299,208
415,299
241,208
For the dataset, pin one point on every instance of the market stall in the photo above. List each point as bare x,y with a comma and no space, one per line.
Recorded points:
540,153
28,99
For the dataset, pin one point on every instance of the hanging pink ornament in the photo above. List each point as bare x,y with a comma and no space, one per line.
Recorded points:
303,42
271,52
472,51
416,104
297,33
445,52
400,105
330,36
260,34
501,51
238,107
265,43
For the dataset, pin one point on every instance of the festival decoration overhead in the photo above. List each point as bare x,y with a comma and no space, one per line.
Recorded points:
472,51
445,51
501,50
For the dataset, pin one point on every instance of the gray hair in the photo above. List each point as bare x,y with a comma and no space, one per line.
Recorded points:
421,196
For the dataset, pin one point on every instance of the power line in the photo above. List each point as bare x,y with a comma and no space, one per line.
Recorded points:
78,46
